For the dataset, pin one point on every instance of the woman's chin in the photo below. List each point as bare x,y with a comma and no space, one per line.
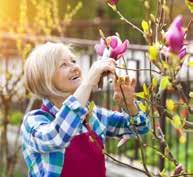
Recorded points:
75,86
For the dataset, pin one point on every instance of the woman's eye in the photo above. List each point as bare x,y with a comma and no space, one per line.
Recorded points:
63,64
73,61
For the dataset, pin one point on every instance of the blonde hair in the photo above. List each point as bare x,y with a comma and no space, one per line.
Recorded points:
40,68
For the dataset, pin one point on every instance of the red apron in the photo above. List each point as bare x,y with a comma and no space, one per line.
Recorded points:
83,157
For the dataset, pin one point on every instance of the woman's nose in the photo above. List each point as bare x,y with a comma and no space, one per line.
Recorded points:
75,67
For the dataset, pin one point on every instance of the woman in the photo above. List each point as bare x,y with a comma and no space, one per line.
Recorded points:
56,139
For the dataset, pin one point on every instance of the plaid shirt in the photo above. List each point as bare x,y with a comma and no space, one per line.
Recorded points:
45,137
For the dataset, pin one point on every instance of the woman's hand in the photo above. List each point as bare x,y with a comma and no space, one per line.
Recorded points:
128,88
97,69
92,79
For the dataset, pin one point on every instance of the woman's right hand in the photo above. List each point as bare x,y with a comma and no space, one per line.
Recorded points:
97,69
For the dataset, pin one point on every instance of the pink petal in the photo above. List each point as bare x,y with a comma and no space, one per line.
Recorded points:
113,2
114,42
99,48
178,22
182,52
119,50
175,40
175,35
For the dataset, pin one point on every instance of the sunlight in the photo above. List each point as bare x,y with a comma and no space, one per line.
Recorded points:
8,12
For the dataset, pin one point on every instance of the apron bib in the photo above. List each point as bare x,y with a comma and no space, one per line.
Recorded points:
83,157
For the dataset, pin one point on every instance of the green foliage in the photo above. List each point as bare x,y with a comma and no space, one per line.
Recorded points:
87,12
132,9
15,117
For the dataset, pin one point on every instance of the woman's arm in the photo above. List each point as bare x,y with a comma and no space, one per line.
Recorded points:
92,79
118,124
42,134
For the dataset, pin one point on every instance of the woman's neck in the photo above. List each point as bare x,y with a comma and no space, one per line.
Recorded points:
57,101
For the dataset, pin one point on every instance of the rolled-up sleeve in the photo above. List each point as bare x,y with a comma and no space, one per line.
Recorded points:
121,123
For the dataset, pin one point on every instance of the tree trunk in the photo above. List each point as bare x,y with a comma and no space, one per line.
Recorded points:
162,126
4,141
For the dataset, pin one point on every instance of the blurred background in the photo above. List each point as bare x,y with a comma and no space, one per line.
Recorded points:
27,23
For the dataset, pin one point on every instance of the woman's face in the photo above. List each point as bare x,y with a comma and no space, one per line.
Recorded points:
67,76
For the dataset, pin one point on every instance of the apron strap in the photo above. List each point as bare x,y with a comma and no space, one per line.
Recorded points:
92,135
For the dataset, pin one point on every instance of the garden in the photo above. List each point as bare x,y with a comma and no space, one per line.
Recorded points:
150,40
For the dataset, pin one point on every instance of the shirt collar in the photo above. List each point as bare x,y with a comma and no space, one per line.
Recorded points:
50,106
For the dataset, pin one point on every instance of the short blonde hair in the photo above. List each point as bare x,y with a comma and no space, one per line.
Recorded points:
40,67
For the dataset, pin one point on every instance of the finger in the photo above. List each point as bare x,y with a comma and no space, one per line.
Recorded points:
111,63
133,82
110,69
116,80
116,85
106,64
112,60
117,97
127,80
121,81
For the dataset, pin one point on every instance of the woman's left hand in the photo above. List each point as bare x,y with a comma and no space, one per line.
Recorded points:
128,88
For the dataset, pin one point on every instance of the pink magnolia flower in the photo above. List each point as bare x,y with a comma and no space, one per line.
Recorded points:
175,35
113,2
179,168
100,47
117,47
181,53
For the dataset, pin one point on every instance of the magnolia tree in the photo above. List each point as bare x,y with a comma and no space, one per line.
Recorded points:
46,22
167,52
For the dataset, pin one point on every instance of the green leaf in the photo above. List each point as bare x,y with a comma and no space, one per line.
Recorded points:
164,83
113,6
170,104
15,118
182,139
140,95
190,63
154,82
165,65
153,52
176,121
166,151
163,173
145,26
142,107
190,5
91,106
145,90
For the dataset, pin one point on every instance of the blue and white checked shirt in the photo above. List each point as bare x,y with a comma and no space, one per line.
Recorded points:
45,137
